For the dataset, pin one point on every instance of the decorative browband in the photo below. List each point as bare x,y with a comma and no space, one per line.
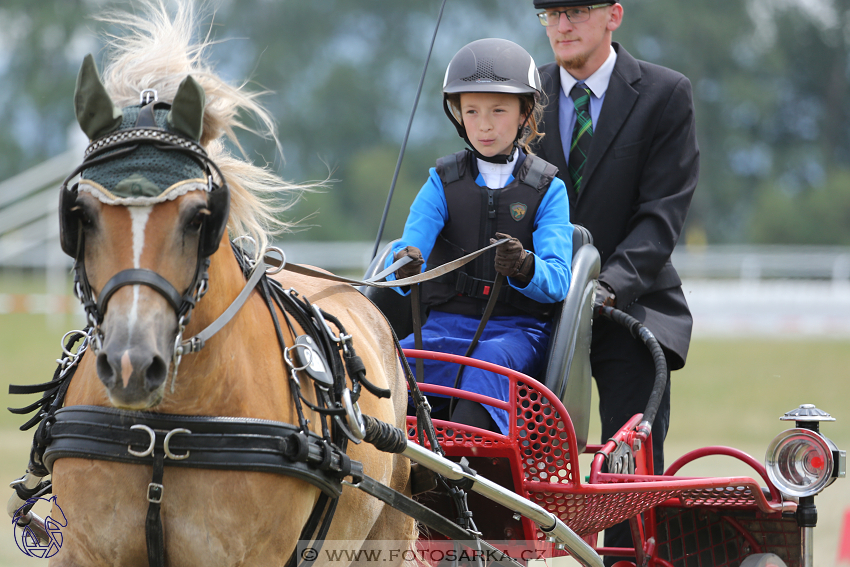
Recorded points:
154,135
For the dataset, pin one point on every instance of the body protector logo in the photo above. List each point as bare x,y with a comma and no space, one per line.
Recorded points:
30,538
518,211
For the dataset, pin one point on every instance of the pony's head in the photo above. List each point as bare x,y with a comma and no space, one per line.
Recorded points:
157,192
142,223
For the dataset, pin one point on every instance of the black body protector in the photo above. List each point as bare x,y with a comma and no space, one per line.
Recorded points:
510,210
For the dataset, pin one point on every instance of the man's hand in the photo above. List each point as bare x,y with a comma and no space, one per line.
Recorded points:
512,260
411,268
603,296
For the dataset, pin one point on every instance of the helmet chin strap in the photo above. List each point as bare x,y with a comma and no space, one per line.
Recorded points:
499,158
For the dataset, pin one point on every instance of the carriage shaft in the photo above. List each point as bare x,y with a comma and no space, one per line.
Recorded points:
549,523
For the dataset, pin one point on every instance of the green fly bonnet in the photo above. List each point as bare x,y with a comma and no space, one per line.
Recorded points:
142,155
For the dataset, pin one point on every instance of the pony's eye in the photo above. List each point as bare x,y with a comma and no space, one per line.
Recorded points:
81,213
198,220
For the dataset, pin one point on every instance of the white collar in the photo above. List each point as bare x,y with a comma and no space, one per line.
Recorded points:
597,82
496,174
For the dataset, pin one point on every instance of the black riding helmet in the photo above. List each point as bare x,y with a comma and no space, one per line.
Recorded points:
490,66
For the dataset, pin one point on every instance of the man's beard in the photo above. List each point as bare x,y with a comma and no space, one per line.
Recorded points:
576,62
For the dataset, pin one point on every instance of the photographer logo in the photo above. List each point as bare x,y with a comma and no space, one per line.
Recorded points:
30,538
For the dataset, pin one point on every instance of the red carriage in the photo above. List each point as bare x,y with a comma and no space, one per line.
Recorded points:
680,521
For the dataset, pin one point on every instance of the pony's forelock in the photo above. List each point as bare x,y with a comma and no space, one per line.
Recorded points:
154,47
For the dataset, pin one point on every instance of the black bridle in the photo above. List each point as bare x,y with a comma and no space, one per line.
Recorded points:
115,146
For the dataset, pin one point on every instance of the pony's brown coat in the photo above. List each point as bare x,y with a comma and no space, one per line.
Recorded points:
233,518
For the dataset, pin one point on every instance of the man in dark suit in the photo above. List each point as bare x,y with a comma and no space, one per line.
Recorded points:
622,134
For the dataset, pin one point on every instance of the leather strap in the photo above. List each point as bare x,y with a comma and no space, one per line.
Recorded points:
153,522
413,509
197,342
418,278
324,507
416,317
226,443
488,311
139,276
403,261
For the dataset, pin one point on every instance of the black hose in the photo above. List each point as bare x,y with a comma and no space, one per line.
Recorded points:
639,331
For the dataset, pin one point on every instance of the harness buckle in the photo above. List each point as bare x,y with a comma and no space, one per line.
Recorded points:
194,344
460,283
148,96
155,491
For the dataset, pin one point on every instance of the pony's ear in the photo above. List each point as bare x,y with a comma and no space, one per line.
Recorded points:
96,112
187,110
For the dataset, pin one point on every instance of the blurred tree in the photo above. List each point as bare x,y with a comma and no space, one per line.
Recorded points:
820,215
345,75
770,86
41,47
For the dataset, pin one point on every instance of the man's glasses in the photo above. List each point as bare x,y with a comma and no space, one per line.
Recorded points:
574,15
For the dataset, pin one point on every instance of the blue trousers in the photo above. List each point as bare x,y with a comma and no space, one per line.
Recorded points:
518,343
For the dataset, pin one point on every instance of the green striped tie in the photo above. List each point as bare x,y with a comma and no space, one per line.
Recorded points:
582,133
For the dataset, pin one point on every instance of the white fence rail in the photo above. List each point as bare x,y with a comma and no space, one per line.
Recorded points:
28,213
764,262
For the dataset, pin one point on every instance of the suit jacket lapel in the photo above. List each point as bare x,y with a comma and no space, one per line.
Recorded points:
551,144
619,101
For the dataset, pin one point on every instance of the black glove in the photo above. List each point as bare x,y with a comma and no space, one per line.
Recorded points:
604,296
512,260
411,268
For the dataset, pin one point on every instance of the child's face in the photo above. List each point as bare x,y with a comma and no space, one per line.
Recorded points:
491,121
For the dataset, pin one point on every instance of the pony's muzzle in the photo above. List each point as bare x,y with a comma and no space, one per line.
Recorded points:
133,377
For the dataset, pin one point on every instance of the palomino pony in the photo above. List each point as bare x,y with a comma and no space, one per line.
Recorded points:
149,211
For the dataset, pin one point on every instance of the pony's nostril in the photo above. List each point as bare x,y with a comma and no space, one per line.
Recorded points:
156,373
104,369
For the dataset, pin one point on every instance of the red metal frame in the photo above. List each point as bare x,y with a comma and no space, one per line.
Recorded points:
542,451
729,452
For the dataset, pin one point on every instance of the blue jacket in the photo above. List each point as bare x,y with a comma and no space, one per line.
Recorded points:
552,236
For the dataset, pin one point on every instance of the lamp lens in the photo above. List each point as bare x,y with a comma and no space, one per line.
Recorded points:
799,462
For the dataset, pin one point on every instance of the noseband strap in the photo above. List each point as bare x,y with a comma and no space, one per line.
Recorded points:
137,276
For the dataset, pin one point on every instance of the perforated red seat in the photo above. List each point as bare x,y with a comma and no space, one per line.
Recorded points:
541,456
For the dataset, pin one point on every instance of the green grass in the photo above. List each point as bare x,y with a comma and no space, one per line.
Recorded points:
14,280
731,392
737,390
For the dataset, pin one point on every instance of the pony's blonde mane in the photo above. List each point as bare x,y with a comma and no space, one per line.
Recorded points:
156,49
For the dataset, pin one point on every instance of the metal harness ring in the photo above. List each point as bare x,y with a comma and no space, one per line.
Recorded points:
353,416
167,440
291,364
63,341
276,270
149,450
